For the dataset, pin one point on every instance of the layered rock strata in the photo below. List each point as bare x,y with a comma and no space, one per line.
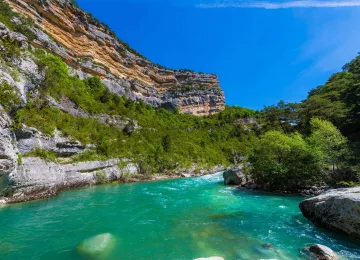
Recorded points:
91,48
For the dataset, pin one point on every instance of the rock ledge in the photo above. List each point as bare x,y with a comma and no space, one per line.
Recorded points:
337,210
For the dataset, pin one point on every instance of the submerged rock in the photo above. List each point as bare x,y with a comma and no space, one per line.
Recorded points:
320,252
267,246
97,246
211,258
268,251
337,210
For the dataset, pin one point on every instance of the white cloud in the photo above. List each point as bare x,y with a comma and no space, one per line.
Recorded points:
282,5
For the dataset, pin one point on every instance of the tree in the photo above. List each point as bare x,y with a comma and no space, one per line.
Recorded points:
283,116
74,2
328,142
279,161
167,143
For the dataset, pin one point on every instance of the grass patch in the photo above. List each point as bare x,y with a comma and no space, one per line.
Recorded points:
48,156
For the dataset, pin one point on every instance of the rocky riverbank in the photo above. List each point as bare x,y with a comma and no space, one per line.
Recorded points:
25,178
236,176
39,179
337,210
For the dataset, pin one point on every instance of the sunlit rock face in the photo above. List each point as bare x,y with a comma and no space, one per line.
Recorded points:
337,210
91,49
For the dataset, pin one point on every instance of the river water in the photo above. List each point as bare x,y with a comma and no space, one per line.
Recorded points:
172,219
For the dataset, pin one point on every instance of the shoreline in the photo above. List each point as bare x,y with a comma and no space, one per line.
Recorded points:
35,192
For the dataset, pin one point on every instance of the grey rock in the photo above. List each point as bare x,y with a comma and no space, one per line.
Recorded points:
337,210
70,107
5,120
8,157
320,252
29,139
8,153
236,177
38,179
313,191
43,40
117,121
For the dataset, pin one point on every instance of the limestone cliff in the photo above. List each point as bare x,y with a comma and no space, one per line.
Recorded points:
91,48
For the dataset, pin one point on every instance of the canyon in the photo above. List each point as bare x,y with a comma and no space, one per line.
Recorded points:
92,49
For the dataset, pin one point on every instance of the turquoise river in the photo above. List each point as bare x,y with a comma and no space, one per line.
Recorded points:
171,219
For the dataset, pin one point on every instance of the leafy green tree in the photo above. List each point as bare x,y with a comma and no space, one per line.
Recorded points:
336,101
279,161
328,142
167,143
283,117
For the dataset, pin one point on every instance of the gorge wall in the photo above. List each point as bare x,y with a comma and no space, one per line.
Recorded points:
91,48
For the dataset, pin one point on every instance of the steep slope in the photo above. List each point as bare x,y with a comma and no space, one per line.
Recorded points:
91,48
65,123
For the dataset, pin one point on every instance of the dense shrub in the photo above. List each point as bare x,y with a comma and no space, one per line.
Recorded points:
328,142
9,50
9,96
284,162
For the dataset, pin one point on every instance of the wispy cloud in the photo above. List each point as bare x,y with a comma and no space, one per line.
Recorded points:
282,5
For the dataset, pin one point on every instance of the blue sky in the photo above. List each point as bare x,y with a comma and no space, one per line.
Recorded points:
262,51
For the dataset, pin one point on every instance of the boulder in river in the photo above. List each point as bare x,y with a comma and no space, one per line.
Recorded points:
97,246
337,210
236,177
320,252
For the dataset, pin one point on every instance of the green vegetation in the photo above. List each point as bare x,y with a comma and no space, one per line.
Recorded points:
20,159
9,96
345,184
336,101
328,121
165,140
291,145
48,156
9,50
282,154
288,162
101,177
16,22
74,2
328,142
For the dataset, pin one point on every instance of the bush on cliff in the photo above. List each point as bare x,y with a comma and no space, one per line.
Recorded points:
9,96
21,24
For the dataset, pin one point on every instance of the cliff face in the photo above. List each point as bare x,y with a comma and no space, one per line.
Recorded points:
92,49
